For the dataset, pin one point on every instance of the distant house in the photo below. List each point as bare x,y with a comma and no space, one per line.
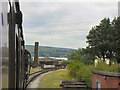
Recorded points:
102,79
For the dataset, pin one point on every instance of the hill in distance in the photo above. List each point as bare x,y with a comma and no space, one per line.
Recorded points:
46,51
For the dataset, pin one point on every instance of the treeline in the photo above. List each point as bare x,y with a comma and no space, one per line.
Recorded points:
83,56
103,43
46,51
81,71
104,40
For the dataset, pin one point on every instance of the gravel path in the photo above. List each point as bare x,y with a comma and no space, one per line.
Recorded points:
36,82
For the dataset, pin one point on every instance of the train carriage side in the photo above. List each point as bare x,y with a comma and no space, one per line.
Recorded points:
4,45
12,50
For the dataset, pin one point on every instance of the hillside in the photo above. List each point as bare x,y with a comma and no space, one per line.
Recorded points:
46,51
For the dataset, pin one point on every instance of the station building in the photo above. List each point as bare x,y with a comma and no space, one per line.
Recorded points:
108,80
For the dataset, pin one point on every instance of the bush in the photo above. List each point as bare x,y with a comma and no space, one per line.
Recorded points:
81,71
114,68
101,66
74,66
104,67
65,63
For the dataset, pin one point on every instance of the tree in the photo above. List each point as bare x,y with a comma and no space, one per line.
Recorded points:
74,56
65,63
82,55
97,38
101,39
116,35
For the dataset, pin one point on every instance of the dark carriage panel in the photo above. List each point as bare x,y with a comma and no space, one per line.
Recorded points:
13,62
0,45
4,45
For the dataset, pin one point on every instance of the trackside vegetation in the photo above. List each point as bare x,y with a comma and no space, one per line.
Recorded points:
103,44
32,70
104,40
80,71
53,79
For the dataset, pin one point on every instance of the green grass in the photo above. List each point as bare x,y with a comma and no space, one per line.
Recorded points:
53,79
4,81
35,70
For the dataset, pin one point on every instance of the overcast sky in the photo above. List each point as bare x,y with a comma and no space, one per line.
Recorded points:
64,24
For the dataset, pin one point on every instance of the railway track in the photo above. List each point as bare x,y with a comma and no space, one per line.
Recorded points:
35,74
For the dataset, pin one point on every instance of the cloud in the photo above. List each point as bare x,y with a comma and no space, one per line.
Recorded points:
69,0
63,24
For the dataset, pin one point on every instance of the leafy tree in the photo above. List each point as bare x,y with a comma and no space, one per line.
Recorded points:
103,39
116,35
65,63
97,38
80,71
82,55
74,56
87,57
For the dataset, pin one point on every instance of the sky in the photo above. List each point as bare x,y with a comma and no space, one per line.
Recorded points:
66,24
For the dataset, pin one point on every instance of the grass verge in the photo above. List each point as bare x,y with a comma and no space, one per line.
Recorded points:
35,70
53,79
